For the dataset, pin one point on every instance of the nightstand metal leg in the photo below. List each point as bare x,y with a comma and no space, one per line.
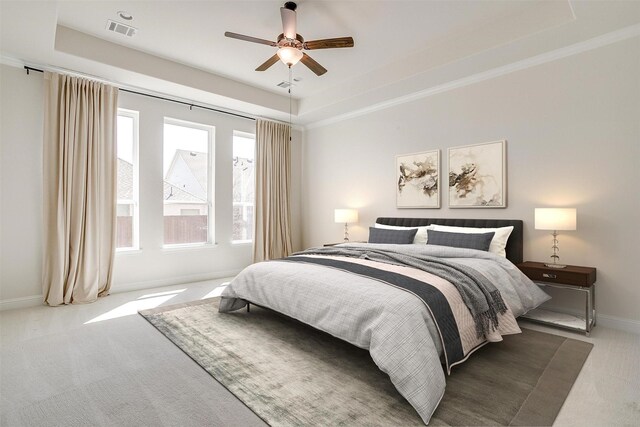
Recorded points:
589,313
593,303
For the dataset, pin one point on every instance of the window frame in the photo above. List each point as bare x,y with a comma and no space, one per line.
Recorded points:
135,203
244,205
210,129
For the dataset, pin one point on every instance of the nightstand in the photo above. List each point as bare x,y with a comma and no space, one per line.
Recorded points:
581,279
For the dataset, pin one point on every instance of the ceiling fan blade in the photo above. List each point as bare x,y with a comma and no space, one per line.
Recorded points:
329,43
288,22
312,64
268,63
249,38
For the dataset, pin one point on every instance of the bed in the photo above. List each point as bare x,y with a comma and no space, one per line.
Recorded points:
415,307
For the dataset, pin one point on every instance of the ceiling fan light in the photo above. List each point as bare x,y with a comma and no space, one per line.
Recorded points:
289,55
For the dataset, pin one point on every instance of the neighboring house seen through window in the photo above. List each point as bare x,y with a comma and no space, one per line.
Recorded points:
188,183
244,146
127,185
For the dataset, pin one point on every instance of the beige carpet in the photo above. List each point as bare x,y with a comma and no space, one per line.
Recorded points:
291,374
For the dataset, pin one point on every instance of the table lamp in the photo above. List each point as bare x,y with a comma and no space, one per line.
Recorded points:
555,219
346,216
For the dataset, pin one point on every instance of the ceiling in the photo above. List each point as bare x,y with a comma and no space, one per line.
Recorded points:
192,33
400,46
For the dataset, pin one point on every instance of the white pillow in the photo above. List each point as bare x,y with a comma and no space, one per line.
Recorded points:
421,234
498,243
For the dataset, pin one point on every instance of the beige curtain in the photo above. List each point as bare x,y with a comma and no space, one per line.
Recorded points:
272,213
79,160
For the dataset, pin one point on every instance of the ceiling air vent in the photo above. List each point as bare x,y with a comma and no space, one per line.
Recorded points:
284,84
125,30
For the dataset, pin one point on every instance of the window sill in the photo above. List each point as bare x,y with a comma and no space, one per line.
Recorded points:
242,242
128,251
188,246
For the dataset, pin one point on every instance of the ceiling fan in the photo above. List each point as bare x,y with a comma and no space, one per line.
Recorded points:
290,44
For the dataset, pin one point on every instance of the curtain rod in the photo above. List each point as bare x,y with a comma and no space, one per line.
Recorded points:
191,105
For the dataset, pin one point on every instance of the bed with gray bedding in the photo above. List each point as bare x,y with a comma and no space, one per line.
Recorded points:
414,307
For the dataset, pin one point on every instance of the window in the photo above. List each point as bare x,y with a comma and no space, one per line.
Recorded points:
244,146
188,183
127,180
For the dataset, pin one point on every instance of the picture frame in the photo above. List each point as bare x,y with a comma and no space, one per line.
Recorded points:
478,175
418,180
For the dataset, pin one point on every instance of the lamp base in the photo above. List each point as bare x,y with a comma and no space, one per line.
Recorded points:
555,265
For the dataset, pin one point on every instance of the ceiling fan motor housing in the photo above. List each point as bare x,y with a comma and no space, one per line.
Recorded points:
298,42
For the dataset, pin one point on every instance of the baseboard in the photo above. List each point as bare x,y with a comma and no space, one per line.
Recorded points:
619,323
36,300
136,286
22,302
606,320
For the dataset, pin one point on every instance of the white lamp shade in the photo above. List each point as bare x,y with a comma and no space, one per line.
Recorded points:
289,55
346,216
555,219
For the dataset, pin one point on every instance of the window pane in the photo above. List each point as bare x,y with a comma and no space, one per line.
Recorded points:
186,183
126,207
243,187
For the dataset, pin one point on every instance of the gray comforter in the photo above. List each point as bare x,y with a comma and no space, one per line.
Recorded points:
394,325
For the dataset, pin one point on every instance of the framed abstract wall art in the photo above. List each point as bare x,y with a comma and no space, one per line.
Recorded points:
478,176
417,180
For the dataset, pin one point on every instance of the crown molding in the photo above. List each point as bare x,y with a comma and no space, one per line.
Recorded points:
11,61
554,55
19,63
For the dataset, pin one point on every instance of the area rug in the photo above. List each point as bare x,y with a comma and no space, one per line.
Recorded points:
289,374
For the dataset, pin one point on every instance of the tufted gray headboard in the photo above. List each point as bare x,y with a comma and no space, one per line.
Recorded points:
514,244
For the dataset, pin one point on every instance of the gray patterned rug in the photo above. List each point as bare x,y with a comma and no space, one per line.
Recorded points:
291,374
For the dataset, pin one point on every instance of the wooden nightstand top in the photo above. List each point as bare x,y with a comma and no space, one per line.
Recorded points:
571,275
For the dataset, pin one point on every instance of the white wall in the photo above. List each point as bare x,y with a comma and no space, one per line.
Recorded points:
21,196
573,135
21,120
